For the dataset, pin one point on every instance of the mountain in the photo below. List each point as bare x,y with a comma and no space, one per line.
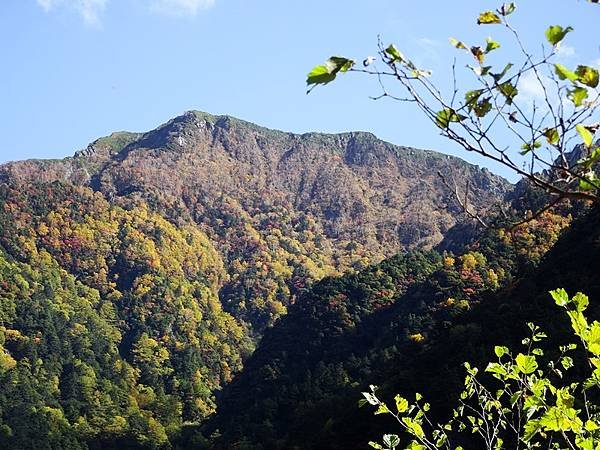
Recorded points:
137,276
282,209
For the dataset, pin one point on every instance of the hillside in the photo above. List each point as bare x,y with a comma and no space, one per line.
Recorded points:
407,325
282,209
137,276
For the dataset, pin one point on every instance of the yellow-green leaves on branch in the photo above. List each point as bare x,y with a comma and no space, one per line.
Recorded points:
526,363
530,146
586,135
474,104
583,75
327,72
590,182
592,159
556,33
587,75
508,90
394,54
564,73
488,18
491,45
498,76
507,9
577,95
457,44
477,51
446,116
551,135
401,404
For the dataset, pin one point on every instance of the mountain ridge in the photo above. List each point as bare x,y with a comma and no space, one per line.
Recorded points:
349,198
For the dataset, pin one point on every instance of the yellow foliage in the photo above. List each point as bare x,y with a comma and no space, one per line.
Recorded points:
449,302
7,362
417,337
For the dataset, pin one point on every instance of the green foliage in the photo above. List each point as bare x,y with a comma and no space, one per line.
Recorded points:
527,407
446,116
110,323
555,34
327,72
586,135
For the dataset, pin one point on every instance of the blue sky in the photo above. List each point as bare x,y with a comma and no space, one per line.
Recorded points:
75,70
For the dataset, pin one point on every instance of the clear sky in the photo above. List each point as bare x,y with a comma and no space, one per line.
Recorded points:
75,70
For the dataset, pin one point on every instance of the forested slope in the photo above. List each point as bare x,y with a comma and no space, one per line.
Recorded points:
406,324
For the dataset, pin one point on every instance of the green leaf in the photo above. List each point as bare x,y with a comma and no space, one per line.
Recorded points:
592,159
560,296
508,90
480,71
593,339
551,135
327,72
483,107
491,45
556,33
413,427
532,427
394,53
581,301
498,76
566,362
590,425
587,75
458,44
391,440
382,409
507,9
500,351
564,73
401,404
497,369
590,182
527,147
488,17
471,97
577,95
578,322
526,363
446,116
585,134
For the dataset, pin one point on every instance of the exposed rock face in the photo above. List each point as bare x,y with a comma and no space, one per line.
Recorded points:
352,195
